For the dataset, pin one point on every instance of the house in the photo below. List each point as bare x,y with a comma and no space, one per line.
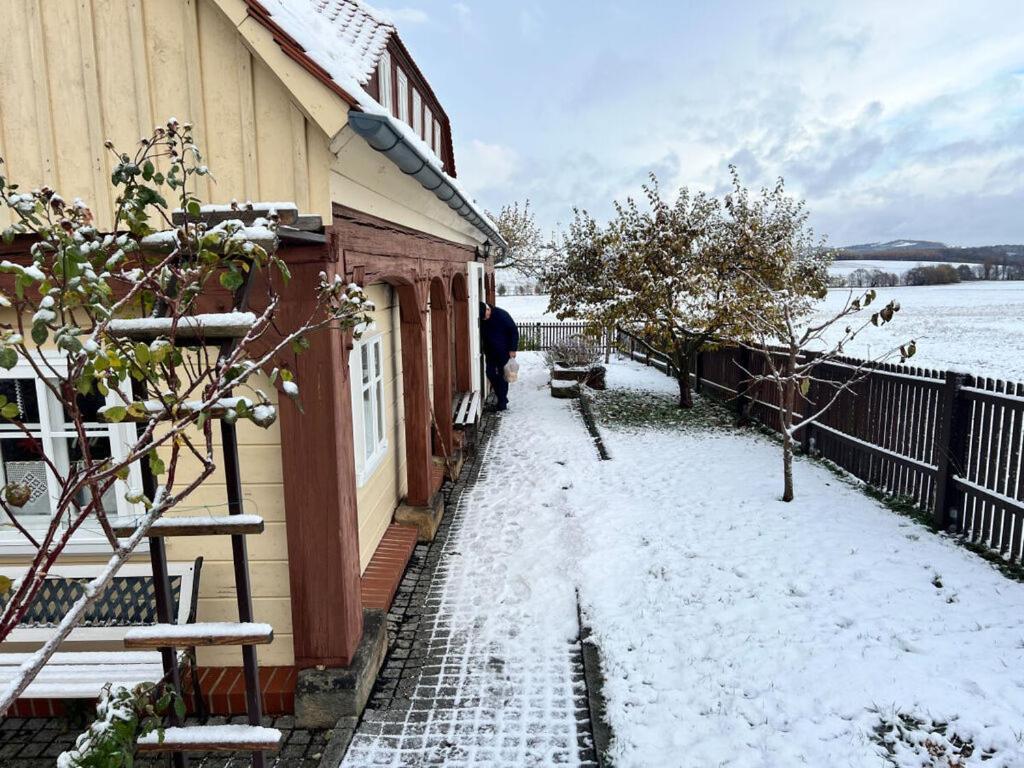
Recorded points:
317,102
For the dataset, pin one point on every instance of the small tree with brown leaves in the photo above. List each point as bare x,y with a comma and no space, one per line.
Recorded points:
663,270
72,305
785,270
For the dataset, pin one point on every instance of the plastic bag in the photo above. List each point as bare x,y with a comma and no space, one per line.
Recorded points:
511,370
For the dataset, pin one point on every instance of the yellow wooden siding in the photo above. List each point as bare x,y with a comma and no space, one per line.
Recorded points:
380,493
259,454
78,73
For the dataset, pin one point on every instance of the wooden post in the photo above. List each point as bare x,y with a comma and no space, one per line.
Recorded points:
321,512
950,448
743,385
807,410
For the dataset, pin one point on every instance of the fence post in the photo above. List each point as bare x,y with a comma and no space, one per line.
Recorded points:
950,449
743,385
807,409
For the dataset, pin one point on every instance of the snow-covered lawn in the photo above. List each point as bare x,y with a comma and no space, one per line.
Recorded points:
741,631
974,327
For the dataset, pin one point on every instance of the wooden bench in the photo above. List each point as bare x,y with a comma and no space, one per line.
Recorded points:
78,670
466,410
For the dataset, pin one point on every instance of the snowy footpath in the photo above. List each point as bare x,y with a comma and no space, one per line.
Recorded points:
735,630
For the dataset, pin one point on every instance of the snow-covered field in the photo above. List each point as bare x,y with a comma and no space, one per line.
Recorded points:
974,327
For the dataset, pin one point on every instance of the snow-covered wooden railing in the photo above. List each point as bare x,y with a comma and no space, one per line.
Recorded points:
952,444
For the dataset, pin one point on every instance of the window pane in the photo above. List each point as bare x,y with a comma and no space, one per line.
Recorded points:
88,406
23,464
385,81
380,412
23,393
403,97
368,434
417,113
437,138
428,129
99,448
376,360
365,363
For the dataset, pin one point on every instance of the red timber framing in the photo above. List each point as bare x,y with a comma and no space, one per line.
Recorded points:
428,275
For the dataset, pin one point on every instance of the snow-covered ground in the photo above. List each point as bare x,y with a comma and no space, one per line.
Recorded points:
974,327
735,630
738,630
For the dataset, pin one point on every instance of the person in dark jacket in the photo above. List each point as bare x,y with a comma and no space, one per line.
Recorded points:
500,339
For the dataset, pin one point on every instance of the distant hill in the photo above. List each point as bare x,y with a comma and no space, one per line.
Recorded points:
929,250
894,245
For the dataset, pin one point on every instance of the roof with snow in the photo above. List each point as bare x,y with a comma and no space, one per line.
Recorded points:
340,42
345,37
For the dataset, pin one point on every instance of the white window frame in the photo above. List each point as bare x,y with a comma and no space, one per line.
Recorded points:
368,462
417,113
88,538
428,128
384,81
403,96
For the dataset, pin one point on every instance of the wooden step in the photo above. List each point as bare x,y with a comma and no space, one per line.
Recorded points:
213,738
219,326
199,634
231,525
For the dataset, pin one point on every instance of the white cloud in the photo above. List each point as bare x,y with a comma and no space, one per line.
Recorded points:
401,16
486,167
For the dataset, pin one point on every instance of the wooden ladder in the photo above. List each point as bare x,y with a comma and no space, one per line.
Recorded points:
224,330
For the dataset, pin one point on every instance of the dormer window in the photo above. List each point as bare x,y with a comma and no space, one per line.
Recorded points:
417,113
403,97
384,82
428,134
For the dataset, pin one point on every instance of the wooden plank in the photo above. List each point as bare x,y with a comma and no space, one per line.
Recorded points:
228,325
233,525
213,738
198,635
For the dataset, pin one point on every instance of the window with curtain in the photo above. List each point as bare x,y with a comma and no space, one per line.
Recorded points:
50,434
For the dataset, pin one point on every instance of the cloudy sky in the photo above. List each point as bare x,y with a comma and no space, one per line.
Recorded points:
893,119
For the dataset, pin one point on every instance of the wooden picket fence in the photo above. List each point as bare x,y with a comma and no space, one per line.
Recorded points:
541,337
950,443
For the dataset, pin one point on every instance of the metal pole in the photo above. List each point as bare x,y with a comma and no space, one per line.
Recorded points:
243,591
162,590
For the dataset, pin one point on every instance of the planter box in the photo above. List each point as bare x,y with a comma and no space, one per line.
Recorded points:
565,388
592,376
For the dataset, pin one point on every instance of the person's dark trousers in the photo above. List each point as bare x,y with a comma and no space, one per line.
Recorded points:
496,375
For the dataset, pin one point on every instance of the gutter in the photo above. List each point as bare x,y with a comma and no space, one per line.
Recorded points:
388,139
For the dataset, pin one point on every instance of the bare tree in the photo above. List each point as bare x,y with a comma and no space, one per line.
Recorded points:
786,270
81,306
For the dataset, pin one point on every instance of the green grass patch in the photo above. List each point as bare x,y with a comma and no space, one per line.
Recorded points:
640,409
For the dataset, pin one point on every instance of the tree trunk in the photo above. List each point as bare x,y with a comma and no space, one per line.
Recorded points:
786,417
787,467
682,363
